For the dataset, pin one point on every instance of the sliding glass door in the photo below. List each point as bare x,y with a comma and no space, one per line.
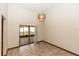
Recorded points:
27,34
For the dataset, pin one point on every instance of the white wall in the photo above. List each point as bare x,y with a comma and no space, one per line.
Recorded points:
62,26
18,15
3,11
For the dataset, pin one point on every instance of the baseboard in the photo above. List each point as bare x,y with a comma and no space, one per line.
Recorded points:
61,48
40,41
6,53
10,49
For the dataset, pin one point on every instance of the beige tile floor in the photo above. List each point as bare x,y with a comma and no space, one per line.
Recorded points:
40,49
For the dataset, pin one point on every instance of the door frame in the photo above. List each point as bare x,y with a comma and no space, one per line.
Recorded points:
29,33
2,24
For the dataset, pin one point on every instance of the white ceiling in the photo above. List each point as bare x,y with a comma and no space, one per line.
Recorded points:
38,7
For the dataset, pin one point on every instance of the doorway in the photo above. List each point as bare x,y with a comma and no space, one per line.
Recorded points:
27,35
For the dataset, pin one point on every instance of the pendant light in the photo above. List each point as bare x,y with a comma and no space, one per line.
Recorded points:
41,17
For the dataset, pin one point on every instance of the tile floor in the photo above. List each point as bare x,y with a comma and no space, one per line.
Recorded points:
39,49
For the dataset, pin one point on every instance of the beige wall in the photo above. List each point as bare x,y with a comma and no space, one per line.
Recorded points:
18,15
62,26
3,11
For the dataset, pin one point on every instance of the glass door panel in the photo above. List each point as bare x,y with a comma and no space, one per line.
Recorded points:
32,34
26,31
24,35
32,30
21,31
